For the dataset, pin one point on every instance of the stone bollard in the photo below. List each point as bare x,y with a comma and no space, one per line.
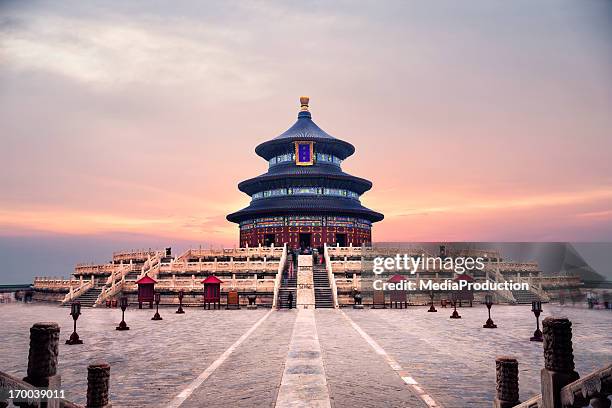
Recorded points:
506,369
42,360
558,368
98,378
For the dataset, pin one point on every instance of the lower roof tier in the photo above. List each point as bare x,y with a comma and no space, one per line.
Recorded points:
305,206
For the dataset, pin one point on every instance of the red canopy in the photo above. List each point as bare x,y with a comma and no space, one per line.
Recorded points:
396,278
145,279
464,277
212,279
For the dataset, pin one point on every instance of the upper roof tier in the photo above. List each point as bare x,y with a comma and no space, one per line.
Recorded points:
305,130
290,175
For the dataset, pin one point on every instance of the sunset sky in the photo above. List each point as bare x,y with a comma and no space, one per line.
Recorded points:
130,125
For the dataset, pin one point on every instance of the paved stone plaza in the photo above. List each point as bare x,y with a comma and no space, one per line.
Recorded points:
358,357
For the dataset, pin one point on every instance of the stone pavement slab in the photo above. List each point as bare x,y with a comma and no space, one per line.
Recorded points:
454,360
150,363
251,375
304,383
356,374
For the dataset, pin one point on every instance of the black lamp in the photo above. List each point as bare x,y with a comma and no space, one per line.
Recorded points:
489,324
536,308
75,312
455,314
181,294
123,303
156,316
432,308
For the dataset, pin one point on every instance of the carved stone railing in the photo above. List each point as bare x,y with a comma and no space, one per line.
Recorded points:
505,295
330,275
93,269
591,389
554,282
534,288
533,402
259,251
75,293
560,384
55,283
42,374
183,267
345,266
8,382
151,266
279,275
138,254
115,282
515,266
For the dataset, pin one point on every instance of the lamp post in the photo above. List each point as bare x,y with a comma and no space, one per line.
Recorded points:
156,316
536,308
123,303
75,312
180,296
489,324
432,308
455,314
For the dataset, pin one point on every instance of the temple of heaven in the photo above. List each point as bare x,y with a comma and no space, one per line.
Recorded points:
305,199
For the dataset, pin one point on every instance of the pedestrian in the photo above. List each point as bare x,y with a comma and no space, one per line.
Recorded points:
290,300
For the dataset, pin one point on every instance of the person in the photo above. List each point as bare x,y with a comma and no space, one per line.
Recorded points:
290,300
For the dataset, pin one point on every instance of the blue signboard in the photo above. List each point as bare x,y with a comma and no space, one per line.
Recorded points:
304,153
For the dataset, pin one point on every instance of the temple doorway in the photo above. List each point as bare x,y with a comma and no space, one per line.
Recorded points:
269,240
305,240
341,240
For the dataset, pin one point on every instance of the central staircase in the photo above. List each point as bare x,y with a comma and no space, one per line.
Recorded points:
88,299
132,275
524,296
288,285
322,289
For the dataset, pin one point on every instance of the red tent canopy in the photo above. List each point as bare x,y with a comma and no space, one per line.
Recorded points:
145,279
396,278
212,279
464,277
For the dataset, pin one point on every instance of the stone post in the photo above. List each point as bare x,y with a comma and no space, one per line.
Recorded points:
506,369
42,359
98,378
558,368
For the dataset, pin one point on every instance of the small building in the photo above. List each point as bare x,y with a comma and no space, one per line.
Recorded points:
212,292
398,297
465,294
146,291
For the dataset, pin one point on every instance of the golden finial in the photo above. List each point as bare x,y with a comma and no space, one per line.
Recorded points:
304,103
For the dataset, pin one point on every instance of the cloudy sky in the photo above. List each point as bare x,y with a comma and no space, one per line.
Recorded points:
129,124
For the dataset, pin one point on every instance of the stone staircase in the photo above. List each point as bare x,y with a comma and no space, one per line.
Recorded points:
322,288
524,296
288,285
88,299
132,275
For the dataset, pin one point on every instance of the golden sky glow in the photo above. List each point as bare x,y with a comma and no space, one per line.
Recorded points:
474,123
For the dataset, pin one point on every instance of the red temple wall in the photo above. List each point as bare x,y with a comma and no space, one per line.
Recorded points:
291,235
